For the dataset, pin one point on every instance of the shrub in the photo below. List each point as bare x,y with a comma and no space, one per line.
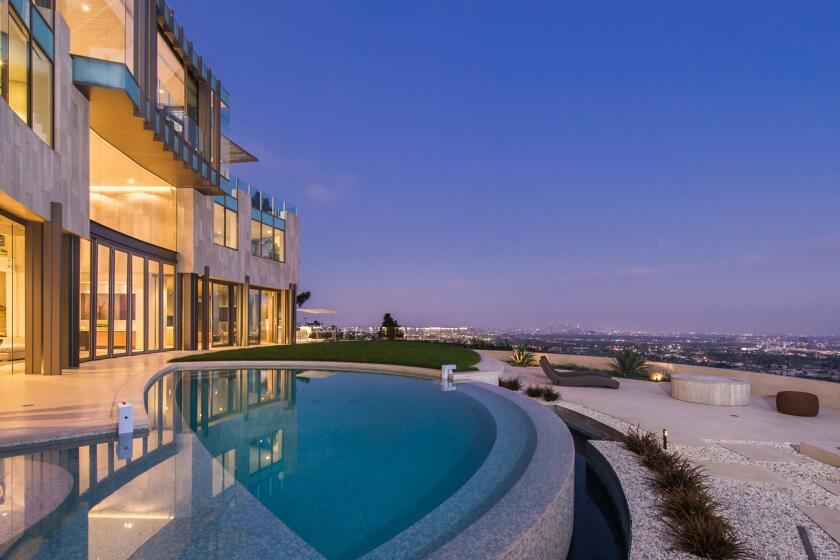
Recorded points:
692,515
534,391
511,383
521,357
549,394
629,361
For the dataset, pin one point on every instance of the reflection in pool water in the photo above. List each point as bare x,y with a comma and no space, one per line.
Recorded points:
343,463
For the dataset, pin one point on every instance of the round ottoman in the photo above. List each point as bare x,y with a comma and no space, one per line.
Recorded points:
797,403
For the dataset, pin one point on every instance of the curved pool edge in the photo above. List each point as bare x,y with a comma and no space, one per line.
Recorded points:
535,518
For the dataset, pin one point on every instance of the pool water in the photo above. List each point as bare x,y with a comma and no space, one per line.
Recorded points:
372,454
257,463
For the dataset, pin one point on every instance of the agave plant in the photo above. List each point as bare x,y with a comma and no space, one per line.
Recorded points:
521,357
629,361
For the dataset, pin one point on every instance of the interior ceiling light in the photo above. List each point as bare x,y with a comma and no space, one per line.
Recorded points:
85,8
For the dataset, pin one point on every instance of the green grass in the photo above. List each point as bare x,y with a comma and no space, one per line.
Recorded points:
398,353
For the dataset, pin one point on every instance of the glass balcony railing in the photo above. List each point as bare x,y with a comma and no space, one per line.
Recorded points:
95,72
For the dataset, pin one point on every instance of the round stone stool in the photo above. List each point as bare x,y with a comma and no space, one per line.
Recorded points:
797,403
710,389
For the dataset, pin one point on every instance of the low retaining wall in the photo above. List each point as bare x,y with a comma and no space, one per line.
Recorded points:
761,384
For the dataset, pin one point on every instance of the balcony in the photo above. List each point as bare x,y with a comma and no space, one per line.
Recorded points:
126,118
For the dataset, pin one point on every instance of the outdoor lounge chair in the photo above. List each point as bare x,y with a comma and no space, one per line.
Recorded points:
577,378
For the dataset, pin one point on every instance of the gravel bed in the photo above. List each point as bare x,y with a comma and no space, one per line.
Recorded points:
764,515
651,536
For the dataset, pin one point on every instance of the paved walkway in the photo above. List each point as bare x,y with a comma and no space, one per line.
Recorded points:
650,405
80,401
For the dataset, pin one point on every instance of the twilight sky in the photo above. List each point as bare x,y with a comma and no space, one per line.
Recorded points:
632,165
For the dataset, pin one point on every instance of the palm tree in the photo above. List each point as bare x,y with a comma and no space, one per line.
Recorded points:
629,361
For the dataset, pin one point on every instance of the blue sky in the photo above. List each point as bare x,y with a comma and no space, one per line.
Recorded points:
635,165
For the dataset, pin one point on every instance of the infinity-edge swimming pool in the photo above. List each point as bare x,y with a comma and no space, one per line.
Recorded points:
243,463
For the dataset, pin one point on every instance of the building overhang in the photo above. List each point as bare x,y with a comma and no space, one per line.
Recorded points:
123,117
236,153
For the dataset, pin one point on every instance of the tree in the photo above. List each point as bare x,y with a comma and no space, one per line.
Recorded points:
302,298
390,327
629,361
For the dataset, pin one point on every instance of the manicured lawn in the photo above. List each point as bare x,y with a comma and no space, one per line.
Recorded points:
399,353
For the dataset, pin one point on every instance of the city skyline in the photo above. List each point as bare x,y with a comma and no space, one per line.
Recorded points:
643,168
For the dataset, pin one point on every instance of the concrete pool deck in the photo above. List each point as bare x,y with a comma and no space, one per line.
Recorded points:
649,405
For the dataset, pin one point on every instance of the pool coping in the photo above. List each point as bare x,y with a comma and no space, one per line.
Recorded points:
534,519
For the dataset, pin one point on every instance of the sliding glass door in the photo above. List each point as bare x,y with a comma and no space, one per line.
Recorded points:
130,296
12,296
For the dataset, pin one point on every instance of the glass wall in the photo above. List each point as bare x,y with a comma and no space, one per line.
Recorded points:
127,198
168,307
103,297
138,303
102,29
12,296
264,316
222,315
170,82
120,302
154,305
254,316
85,301
134,302
269,318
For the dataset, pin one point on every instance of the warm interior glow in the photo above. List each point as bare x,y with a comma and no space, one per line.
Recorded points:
128,198
102,29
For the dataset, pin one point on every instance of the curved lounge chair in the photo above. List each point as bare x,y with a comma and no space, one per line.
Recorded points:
578,378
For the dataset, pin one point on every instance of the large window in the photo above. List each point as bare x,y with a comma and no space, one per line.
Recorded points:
267,241
102,29
170,78
26,68
225,222
18,94
42,95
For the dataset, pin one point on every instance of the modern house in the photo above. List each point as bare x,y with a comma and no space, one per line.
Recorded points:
122,229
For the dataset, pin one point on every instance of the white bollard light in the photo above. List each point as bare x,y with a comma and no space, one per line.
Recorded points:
125,418
447,377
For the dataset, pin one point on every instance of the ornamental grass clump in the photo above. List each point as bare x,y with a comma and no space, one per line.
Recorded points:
534,391
511,383
694,517
549,394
